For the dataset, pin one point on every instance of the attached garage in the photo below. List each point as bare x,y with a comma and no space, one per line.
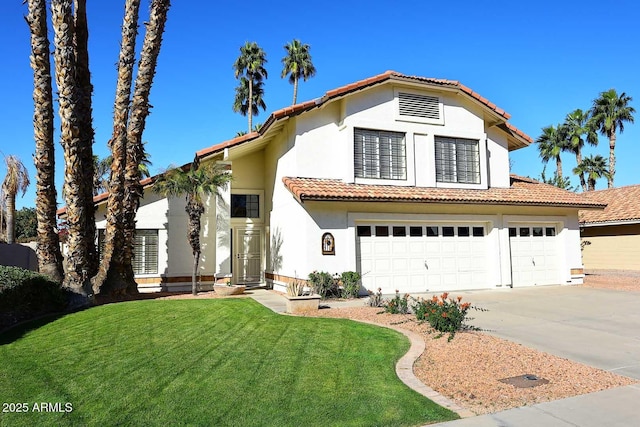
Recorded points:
419,240
534,254
422,257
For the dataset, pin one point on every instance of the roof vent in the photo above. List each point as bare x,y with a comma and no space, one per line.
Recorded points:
427,107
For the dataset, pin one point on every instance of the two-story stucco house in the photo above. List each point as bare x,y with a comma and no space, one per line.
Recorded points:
403,179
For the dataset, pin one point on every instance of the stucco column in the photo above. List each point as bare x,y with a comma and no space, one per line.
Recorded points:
223,231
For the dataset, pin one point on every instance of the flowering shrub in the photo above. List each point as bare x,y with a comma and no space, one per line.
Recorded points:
397,305
445,315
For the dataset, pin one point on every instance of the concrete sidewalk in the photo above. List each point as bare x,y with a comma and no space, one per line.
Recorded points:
616,407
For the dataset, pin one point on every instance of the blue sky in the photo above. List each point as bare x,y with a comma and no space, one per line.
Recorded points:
537,60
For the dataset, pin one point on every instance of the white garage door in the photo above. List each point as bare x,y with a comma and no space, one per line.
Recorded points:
534,255
422,257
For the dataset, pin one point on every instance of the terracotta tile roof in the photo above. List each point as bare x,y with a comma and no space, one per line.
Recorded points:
623,205
523,191
359,85
102,197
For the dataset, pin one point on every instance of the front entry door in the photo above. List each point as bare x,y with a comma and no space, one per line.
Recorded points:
248,256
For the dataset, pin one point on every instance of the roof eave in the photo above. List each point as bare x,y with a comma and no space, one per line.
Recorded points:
608,223
302,198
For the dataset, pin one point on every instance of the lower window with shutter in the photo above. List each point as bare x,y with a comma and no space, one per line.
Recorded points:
145,251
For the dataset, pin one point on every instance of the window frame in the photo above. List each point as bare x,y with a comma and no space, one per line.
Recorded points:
247,203
141,267
455,166
376,156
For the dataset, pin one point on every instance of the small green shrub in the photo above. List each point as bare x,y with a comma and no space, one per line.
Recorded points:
350,284
397,305
25,294
324,284
445,315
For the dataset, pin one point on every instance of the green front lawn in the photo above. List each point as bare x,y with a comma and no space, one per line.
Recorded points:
207,362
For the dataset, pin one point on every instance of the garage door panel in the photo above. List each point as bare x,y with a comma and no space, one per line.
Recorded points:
399,247
399,264
382,248
432,261
449,247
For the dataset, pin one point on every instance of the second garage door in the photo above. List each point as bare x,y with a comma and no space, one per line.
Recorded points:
422,257
534,255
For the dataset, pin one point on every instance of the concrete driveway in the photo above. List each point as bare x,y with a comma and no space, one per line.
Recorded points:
600,328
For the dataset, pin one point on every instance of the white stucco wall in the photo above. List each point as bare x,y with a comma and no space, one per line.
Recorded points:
324,138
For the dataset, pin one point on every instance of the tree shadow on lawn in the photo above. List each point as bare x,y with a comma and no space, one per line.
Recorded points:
19,330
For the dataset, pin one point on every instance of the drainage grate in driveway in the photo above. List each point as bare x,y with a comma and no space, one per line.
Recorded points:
524,381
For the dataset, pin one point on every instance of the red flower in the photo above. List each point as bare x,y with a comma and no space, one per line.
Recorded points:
444,296
444,314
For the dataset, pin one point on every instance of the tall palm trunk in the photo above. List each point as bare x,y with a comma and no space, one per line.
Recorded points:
77,261
48,249
11,215
583,184
85,127
295,89
250,109
139,112
115,275
612,158
194,211
559,169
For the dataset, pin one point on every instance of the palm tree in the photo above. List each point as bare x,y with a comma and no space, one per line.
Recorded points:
196,183
595,168
609,113
250,64
297,63
85,125
80,243
551,144
134,151
15,181
102,171
48,248
577,131
113,268
241,101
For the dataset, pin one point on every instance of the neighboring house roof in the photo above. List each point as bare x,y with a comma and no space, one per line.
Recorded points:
623,206
522,139
523,191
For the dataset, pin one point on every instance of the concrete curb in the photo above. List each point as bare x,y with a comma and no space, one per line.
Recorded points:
404,370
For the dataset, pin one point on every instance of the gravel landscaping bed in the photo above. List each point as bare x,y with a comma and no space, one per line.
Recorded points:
468,368
613,279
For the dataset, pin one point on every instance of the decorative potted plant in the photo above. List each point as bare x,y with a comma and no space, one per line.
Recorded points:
226,289
300,298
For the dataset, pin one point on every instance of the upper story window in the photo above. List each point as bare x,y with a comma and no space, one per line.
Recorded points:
379,154
457,160
245,206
